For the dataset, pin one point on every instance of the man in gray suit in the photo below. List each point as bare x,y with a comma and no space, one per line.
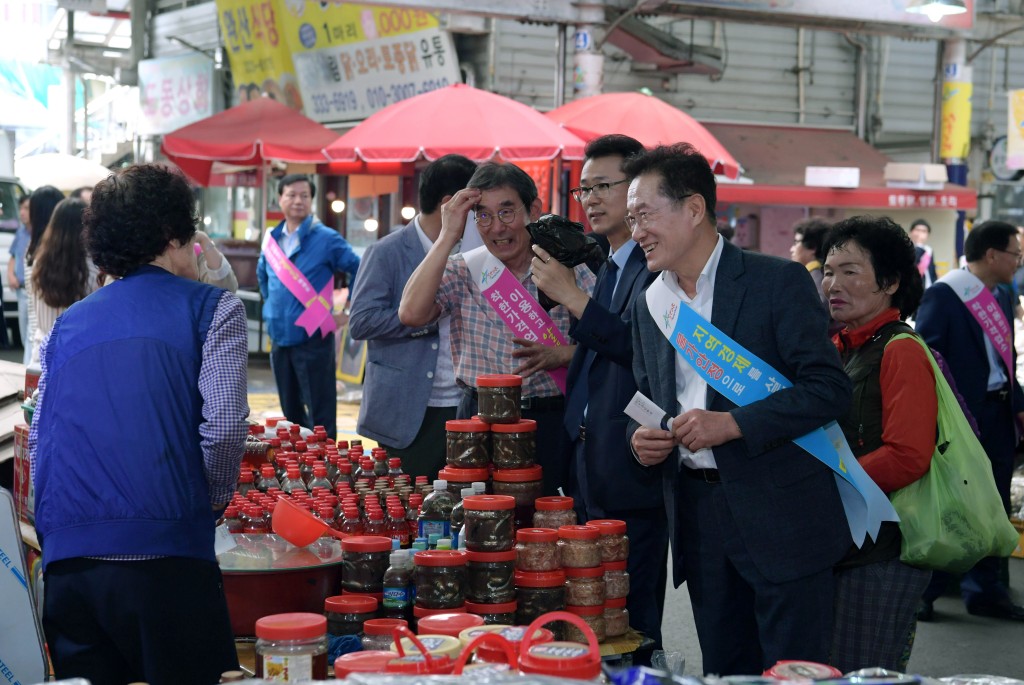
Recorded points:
755,523
409,392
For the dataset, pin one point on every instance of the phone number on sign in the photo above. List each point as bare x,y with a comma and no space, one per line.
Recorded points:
382,96
339,101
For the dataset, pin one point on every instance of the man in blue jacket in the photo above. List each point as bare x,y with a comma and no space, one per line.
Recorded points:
296,276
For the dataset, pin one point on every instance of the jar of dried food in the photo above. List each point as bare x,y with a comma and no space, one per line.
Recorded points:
440,578
614,542
578,548
537,550
494,614
459,479
616,617
616,580
538,593
488,524
553,512
346,614
584,586
364,560
593,617
526,485
378,633
498,397
489,577
466,443
291,647
514,445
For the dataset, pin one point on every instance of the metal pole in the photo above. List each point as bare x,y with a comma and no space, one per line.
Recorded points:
560,51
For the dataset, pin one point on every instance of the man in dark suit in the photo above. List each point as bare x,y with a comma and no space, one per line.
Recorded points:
920,231
604,480
989,388
755,523
410,391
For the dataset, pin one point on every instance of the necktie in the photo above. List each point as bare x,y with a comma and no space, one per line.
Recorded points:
577,402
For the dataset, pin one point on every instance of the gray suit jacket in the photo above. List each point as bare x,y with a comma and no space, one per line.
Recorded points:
400,360
784,500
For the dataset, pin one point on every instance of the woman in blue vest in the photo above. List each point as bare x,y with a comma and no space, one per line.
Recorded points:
138,434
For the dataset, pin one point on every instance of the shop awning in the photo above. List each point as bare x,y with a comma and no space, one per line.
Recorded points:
776,158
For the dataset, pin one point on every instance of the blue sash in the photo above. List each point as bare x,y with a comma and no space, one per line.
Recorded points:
743,378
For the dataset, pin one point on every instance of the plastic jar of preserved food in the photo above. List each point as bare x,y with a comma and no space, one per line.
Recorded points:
614,542
291,647
553,512
514,445
489,577
458,479
419,613
526,485
538,593
537,550
584,587
616,617
503,613
578,548
593,617
616,580
562,659
440,579
346,614
378,633
498,397
466,443
450,624
364,560
488,524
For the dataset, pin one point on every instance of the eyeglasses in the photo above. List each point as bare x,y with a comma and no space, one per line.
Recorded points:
598,189
505,216
642,219
1018,255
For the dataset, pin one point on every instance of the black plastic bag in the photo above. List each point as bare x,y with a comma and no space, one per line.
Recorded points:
566,242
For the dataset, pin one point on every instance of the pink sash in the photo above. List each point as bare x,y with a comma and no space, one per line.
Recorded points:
318,306
982,305
924,263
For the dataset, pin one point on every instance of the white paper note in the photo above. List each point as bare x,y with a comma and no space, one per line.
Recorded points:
644,411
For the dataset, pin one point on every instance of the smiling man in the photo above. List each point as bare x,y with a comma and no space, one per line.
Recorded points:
486,336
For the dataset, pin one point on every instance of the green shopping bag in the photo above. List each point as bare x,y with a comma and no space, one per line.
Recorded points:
953,516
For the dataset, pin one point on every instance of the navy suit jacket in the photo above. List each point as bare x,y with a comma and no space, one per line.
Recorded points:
785,501
400,360
616,482
945,324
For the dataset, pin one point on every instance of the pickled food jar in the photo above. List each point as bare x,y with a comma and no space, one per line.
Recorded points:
440,579
514,445
466,443
488,525
498,397
291,647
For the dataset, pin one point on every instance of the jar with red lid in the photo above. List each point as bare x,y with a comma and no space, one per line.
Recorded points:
489,577
488,524
503,613
537,593
614,542
616,617
537,550
584,586
526,485
561,659
553,512
450,624
514,445
364,560
346,614
578,546
593,617
291,647
420,613
616,580
461,478
440,578
466,443
378,633
368,661
499,397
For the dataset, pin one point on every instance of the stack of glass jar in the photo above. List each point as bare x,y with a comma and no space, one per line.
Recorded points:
488,534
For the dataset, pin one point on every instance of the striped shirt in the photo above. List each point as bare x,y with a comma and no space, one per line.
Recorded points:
481,342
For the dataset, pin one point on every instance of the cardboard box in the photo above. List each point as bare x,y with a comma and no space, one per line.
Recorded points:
1019,550
915,176
24,493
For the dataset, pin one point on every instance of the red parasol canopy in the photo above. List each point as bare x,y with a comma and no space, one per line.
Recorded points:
646,118
457,119
247,134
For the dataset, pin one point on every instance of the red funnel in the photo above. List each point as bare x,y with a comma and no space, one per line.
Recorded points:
298,526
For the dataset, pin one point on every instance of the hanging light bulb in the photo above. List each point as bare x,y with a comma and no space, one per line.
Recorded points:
338,206
408,213
935,10
370,225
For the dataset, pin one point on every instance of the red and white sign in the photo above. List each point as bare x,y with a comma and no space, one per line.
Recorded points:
174,92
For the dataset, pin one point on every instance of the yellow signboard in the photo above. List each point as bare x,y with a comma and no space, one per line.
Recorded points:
955,136
259,55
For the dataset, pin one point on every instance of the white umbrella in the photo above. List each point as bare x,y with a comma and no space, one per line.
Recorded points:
55,169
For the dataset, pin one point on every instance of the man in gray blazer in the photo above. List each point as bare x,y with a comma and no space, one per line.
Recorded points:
755,523
409,391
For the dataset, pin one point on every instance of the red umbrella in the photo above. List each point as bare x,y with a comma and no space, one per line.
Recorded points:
247,135
457,119
646,118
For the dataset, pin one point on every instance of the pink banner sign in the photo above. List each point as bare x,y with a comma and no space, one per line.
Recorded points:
318,312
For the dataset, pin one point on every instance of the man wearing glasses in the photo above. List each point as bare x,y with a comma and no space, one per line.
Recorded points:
983,359
504,199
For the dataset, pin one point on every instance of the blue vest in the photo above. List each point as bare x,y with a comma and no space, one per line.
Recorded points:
119,468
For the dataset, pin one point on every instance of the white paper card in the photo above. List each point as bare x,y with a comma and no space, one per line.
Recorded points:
223,540
644,411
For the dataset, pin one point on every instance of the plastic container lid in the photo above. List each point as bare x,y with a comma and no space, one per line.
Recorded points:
438,557
417,664
436,645
501,608
524,426
371,661
498,380
379,596
457,475
595,572
609,526
513,634
537,534
561,659
801,670
586,611
294,626
450,624
539,578
351,604
366,543
489,557
466,426
489,502
383,626
576,533
554,503
518,475
421,612
618,603
614,566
